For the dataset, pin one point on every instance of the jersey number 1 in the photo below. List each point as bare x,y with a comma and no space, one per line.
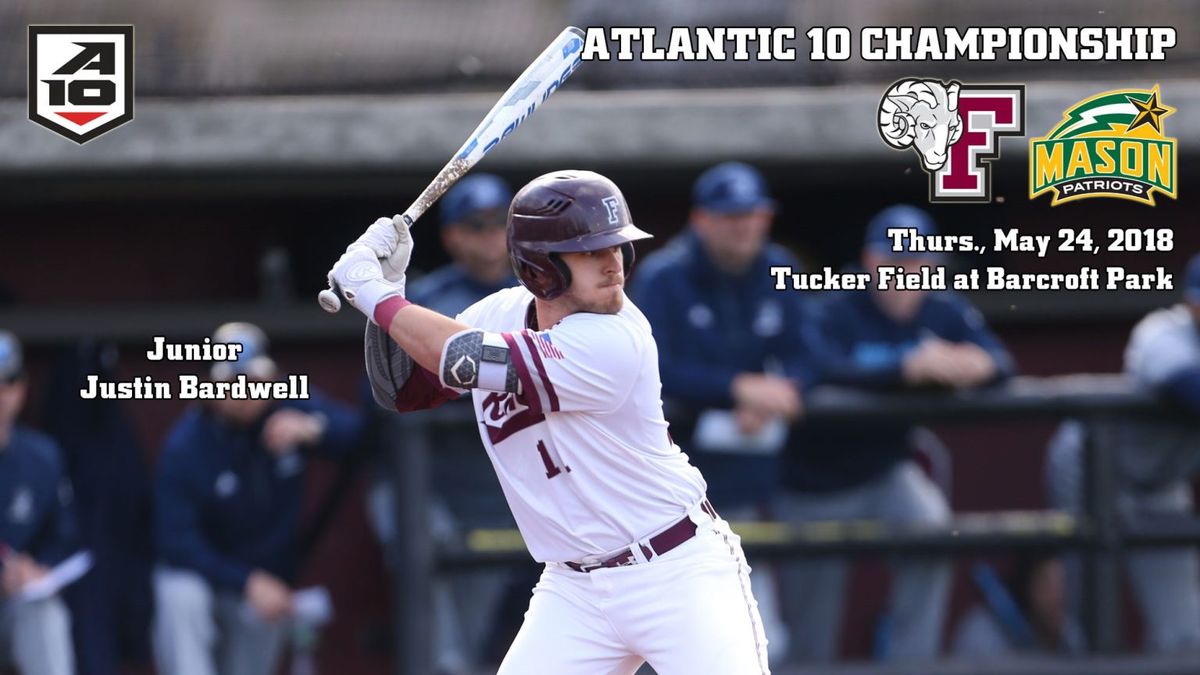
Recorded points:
552,470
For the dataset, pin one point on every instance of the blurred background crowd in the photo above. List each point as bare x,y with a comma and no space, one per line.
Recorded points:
925,482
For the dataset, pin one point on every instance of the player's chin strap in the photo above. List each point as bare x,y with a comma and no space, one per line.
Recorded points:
476,359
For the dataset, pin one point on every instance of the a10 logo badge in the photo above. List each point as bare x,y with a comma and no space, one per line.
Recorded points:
80,79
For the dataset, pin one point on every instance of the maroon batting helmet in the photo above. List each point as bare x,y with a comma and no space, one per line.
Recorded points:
566,212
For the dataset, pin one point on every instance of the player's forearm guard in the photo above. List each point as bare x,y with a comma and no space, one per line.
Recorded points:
477,359
388,366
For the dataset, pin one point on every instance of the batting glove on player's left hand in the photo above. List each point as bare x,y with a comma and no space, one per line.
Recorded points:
359,276
390,240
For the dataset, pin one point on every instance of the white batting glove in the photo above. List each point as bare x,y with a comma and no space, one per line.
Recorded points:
391,242
359,276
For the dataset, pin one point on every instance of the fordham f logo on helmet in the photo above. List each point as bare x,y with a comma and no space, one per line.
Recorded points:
566,212
954,129
614,209
80,79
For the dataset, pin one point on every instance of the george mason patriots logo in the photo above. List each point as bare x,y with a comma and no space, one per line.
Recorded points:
1110,145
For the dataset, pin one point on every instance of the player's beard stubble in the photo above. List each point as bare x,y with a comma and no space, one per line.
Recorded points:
597,282
608,298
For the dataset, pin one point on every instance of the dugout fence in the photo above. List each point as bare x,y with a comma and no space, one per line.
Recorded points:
1098,534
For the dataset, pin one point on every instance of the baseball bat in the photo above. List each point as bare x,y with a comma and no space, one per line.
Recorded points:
543,77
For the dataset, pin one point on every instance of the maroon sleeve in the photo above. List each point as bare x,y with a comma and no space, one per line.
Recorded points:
422,391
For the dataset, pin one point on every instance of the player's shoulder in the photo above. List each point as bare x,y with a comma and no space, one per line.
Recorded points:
503,310
508,301
631,321
627,330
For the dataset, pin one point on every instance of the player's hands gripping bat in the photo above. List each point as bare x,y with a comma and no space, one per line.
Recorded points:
546,74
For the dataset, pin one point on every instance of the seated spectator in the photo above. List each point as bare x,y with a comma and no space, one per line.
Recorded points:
883,340
473,232
1028,614
730,352
228,496
37,531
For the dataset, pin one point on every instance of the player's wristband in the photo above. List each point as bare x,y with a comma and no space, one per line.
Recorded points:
386,310
368,296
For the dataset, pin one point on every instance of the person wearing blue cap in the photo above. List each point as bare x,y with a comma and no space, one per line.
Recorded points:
1157,461
881,340
730,354
472,216
466,495
229,488
37,531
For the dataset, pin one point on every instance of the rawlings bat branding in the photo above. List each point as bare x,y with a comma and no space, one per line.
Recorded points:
574,45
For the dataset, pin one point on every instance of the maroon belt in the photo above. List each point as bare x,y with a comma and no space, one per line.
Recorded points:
660,544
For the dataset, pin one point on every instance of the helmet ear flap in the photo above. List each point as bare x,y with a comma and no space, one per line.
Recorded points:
544,274
564,272
627,257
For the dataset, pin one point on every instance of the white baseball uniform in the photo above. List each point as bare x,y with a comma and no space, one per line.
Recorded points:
638,566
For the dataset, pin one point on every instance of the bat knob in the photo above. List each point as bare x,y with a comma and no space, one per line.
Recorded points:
330,302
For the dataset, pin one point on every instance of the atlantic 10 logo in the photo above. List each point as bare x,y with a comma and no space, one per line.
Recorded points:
955,130
80,79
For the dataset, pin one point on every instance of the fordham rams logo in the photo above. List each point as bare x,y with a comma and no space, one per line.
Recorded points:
954,129
81,79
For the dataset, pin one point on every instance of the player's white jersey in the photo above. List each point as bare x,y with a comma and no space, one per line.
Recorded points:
583,453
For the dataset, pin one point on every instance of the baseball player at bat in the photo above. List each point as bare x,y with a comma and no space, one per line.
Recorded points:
563,375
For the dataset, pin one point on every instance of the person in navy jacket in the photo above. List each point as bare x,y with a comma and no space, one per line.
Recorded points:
881,340
731,356
37,531
472,216
228,495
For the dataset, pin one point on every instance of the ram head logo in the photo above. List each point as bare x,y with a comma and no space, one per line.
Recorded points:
922,114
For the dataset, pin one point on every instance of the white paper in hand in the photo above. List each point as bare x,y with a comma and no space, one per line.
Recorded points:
312,606
60,576
717,431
